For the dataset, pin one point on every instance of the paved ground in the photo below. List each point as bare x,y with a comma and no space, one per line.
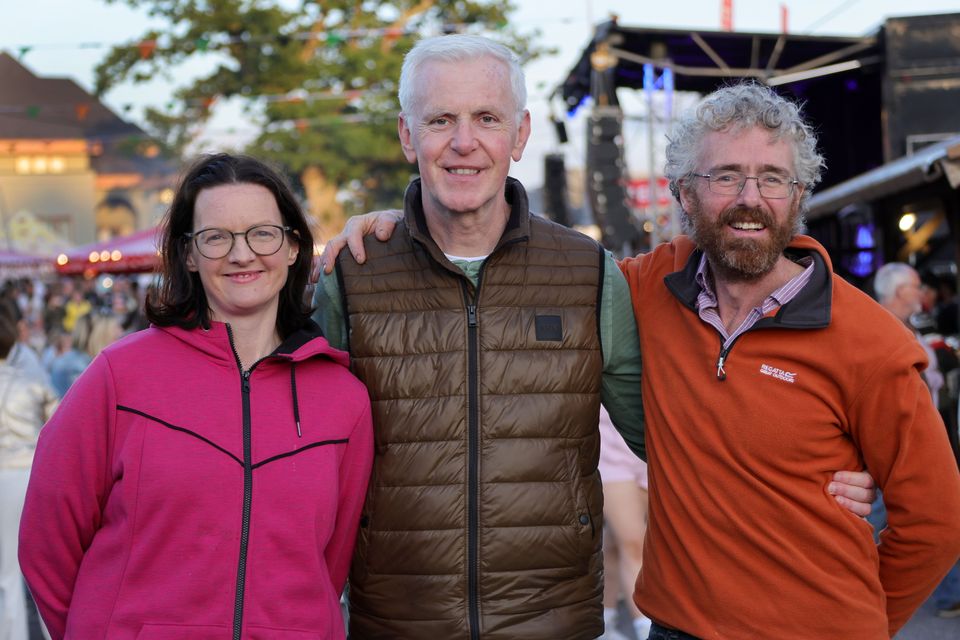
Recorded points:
925,625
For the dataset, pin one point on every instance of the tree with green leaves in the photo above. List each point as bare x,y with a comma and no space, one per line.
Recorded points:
320,78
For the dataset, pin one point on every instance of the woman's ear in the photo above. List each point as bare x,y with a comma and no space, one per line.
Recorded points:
191,260
294,249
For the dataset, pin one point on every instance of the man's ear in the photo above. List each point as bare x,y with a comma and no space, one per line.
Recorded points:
523,134
406,138
798,192
684,196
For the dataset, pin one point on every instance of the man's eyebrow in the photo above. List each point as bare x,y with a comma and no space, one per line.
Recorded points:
772,168
730,166
430,114
733,166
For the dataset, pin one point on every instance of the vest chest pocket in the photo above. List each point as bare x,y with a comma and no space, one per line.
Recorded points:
549,328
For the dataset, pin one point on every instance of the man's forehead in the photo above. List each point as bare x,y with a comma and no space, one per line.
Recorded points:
749,147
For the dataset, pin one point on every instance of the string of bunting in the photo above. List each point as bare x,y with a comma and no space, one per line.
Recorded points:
81,110
332,38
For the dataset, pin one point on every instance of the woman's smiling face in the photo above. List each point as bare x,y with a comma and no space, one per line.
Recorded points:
242,284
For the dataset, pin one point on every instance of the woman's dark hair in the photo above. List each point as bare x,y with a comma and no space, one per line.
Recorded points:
9,332
179,299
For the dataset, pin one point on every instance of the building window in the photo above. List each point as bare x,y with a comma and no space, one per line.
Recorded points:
39,165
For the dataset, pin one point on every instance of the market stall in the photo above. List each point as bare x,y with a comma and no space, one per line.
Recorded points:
136,253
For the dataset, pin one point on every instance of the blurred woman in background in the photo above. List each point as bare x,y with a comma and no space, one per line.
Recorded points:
25,404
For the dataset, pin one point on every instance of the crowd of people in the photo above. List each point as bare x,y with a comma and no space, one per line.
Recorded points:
426,428
50,331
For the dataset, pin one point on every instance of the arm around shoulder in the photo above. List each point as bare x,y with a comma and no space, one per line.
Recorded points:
328,310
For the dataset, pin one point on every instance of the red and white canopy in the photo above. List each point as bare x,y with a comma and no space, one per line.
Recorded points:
136,253
14,264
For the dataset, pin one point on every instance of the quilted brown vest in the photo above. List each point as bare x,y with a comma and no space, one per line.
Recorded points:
484,514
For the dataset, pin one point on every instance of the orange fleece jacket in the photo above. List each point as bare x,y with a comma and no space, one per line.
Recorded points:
744,540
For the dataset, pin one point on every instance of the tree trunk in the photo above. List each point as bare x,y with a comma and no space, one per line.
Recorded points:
322,204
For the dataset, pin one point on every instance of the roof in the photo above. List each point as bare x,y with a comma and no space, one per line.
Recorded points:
703,60
34,107
925,166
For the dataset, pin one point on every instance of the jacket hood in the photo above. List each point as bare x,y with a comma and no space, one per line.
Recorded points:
216,342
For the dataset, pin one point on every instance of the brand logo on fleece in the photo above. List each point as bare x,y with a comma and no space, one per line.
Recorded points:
779,374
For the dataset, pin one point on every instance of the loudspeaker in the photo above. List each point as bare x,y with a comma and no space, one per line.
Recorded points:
922,85
605,178
555,189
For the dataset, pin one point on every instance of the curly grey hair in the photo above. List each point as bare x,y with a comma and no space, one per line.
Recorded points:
734,109
458,47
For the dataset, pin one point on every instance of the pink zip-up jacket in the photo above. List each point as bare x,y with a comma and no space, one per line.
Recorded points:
174,496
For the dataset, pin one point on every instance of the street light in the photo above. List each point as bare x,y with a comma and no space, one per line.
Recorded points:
907,221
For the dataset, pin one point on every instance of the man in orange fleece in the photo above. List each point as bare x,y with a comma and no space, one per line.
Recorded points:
763,373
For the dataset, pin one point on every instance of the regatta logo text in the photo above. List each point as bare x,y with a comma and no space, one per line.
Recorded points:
779,374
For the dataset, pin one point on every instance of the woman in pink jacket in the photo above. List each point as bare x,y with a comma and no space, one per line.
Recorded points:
203,478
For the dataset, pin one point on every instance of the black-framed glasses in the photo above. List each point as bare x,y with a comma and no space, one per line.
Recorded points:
263,240
731,183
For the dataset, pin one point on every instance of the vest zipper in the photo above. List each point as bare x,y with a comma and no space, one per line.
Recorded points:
473,458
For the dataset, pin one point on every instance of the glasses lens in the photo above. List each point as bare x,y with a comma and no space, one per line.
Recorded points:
726,182
214,243
265,239
773,186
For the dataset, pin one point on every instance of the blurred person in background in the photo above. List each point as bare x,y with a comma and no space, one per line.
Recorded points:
54,309
92,333
22,356
945,304
898,289
58,343
104,331
25,404
67,367
204,477
624,477
77,305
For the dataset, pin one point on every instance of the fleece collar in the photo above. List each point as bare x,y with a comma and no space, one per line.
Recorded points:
810,309
517,229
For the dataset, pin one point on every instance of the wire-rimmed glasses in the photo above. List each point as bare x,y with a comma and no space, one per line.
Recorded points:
730,183
263,240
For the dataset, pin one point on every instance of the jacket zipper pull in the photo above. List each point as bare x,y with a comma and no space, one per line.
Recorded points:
721,374
471,315
246,381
